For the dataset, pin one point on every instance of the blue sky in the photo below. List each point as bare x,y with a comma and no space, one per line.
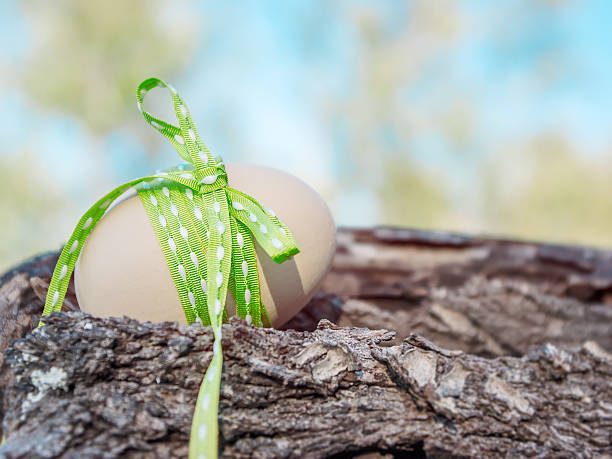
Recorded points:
263,72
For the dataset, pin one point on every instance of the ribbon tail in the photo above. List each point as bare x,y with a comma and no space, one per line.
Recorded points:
271,234
204,438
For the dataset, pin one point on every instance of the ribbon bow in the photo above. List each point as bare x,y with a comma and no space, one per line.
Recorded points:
206,230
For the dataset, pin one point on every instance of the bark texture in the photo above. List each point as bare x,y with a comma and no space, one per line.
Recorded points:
521,364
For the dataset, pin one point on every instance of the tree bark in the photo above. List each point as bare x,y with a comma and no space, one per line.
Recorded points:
521,364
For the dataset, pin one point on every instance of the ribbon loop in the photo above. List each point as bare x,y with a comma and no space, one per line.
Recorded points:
184,138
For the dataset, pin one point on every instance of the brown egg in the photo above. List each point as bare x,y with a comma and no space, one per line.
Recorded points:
122,270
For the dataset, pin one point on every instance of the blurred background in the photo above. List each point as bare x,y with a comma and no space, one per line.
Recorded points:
475,116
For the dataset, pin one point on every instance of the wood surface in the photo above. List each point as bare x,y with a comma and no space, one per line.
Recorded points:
419,344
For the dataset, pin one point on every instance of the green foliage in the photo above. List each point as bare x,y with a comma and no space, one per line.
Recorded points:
411,197
31,218
89,55
563,196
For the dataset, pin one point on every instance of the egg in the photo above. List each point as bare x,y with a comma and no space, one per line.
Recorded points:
122,270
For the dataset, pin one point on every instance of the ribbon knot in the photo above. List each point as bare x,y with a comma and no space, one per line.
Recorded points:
211,178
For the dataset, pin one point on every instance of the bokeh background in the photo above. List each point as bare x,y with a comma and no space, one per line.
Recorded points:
477,116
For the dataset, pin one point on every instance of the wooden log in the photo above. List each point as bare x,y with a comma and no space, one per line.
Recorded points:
521,363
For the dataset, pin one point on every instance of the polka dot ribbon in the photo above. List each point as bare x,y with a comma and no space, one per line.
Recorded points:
206,231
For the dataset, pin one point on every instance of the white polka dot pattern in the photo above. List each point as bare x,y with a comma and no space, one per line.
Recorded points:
204,404
202,430
184,233
209,179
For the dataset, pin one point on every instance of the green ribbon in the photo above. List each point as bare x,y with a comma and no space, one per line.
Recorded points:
205,230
